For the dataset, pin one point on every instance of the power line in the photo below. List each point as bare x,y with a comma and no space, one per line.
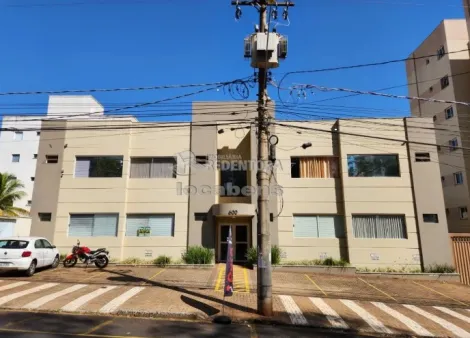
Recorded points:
381,63
362,92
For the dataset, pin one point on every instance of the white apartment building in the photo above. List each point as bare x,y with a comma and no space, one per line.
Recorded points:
19,149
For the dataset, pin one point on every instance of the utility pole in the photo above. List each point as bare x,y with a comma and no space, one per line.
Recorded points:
259,47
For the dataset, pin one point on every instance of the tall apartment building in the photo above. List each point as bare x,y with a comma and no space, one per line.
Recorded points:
446,75
19,149
146,189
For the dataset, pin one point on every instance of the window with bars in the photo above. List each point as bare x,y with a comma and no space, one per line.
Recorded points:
422,157
379,226
153,225
93,225
318,226
99,166
314,167
153,167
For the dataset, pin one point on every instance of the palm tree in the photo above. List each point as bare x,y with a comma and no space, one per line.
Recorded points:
10,192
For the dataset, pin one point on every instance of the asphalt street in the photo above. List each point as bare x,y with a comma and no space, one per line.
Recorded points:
50,325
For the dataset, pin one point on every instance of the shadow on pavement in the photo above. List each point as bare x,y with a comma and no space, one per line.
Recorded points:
182,290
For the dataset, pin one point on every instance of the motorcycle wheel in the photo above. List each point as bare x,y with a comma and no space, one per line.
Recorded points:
68,263
102,262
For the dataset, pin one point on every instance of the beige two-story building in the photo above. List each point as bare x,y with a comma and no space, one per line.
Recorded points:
147,189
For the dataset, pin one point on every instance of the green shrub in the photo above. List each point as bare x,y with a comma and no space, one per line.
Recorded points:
162,260
276,253
133,260
62,257
252,256
440,268
198,255
334,262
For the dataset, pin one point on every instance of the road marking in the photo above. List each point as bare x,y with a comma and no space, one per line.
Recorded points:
415,327
253,333
10,297
155,275
367,317
439,293
319,288
75,304
94,276
118,301
453,313
335,320
296,316
376,288
219,279
97,327
247,283
444,323
11,286
46,299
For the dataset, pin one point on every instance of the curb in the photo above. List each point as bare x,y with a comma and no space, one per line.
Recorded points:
169,266
161,314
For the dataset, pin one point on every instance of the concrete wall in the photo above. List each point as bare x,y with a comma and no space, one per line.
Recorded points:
453,35
424,180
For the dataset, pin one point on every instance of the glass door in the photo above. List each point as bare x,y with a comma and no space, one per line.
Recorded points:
240,241
223,235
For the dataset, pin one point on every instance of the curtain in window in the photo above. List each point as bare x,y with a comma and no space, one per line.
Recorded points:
82,167
375,226
318,167
162,168
391,227
364,227
140,167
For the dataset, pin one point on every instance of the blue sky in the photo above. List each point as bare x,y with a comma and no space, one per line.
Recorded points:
124,43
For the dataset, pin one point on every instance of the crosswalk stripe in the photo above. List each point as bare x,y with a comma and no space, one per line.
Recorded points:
332,316
293,311
415,327
12,296
46,299
13,285
453,313
75,304
367,317
118,301
444,323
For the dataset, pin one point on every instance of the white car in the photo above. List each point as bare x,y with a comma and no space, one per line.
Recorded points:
27,253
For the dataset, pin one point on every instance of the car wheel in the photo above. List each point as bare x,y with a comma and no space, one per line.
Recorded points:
32,269
55,263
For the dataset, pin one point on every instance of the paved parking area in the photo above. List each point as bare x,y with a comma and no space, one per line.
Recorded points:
295,284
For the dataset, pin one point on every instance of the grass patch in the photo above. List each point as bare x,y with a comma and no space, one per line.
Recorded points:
162,260
318,262
198,255
133,261
440,268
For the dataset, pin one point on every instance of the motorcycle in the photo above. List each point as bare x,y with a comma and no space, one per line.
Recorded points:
99,257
